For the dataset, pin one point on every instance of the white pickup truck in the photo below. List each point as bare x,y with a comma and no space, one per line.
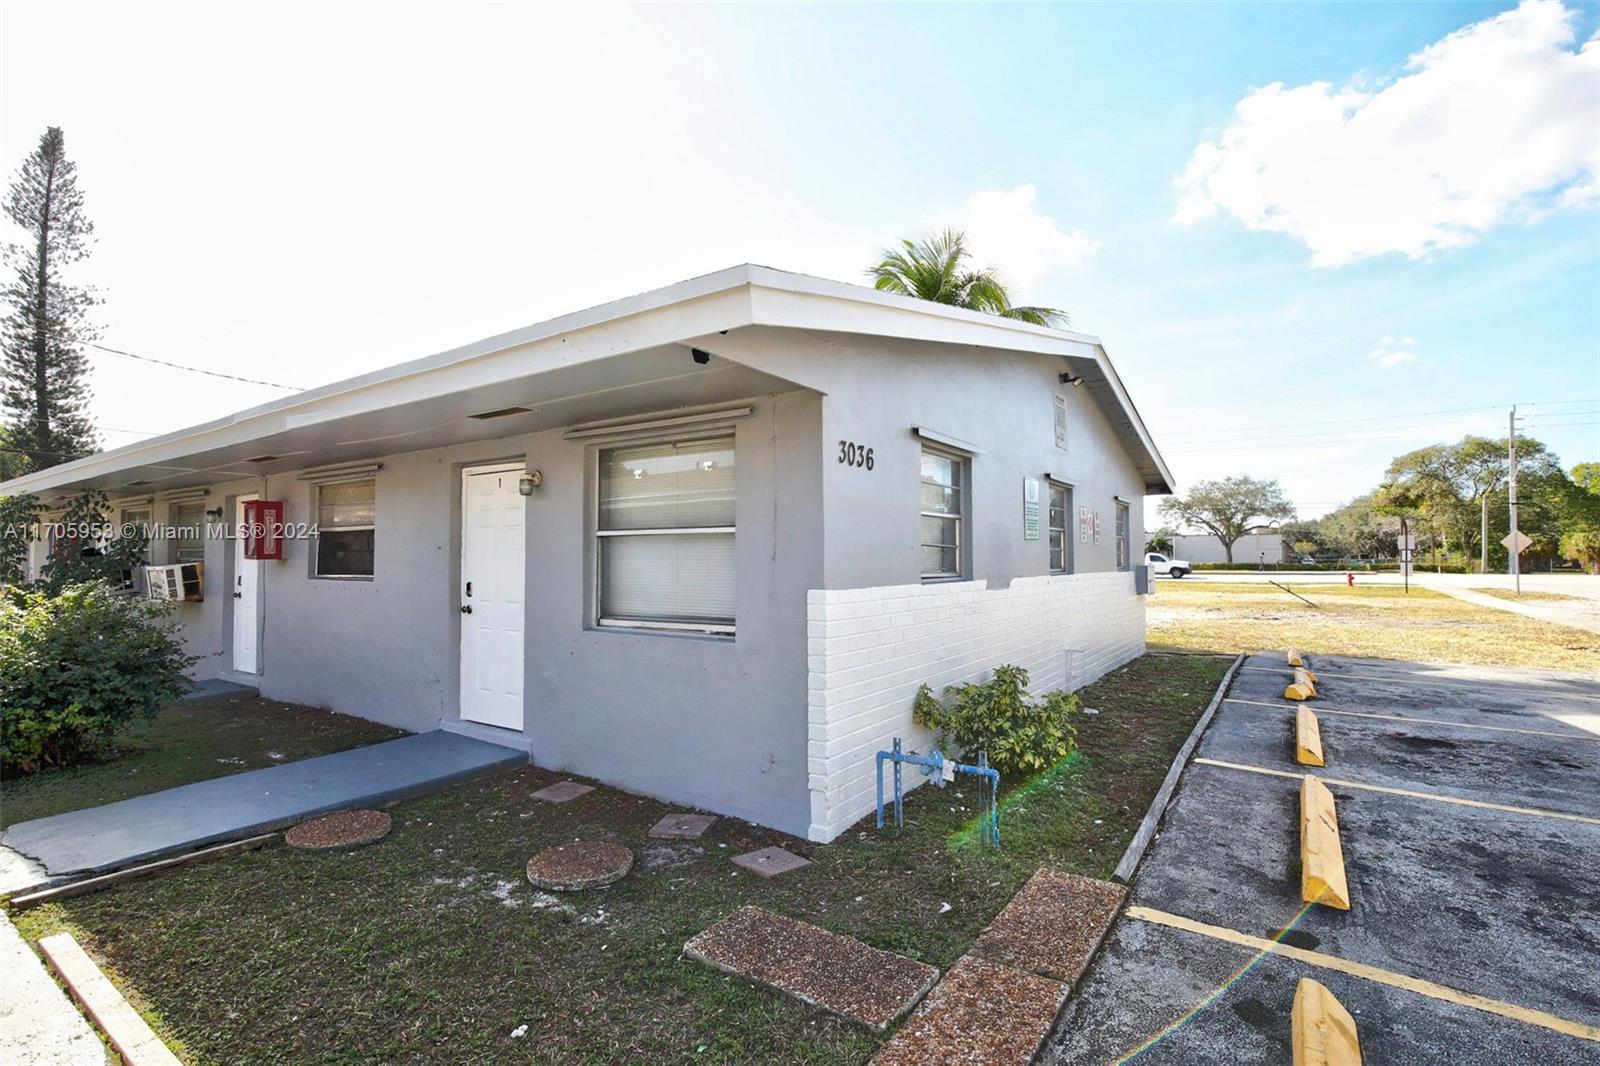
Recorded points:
1160,564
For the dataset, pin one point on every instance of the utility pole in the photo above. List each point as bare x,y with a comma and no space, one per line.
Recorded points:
1515,556
1483,537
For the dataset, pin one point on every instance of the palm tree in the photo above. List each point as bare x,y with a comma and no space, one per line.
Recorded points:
935,269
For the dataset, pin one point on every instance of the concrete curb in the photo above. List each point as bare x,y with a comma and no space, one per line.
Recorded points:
130,1035
51,893
1158,806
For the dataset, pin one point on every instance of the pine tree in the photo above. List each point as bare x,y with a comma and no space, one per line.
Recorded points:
44,373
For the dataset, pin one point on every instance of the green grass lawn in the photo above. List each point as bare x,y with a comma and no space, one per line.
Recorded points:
432,946
1376,621
188,742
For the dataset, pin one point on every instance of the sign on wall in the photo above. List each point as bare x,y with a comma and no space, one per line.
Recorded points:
1030,508
1061,420
1083,525
1094,524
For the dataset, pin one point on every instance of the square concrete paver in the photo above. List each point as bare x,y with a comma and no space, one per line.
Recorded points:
1053,926
824,969
981,1013
682,826
770,862
562,791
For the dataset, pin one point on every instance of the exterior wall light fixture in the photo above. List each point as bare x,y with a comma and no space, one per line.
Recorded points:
530,480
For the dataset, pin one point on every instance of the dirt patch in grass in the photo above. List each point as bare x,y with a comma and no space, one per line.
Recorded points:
1531,595
190,741
1380,622
430,945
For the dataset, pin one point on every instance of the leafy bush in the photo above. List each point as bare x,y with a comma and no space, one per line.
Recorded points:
1021,735
78,666
18,516
90,547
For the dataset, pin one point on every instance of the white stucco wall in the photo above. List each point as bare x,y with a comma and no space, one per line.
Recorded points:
1205,548
870,648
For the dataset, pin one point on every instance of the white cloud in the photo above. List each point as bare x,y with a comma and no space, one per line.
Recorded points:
1006,231
1498,121
1392,353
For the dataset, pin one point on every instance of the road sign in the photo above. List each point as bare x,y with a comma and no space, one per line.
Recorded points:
1516,541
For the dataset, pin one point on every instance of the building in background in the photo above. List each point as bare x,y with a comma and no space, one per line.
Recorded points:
1262,544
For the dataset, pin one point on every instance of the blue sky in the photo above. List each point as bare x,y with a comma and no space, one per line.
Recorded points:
1296,283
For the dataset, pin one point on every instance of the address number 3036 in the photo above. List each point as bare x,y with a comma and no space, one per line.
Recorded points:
853,454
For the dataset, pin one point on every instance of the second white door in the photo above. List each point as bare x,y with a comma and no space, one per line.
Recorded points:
492,594
246,584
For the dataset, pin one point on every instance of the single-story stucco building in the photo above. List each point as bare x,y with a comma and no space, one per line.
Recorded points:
703,543
1260,544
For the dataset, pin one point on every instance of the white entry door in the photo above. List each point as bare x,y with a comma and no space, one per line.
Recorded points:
246,588
491,593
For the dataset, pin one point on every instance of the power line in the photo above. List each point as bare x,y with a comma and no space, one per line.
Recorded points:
1388,417
1181,449
196,369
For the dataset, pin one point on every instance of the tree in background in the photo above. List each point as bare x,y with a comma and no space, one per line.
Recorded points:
1446,486
1228,508
1581,517
935,268
1160,541
44,373
1356,531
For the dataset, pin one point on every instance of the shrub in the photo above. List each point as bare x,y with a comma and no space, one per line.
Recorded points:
78,666
1021,735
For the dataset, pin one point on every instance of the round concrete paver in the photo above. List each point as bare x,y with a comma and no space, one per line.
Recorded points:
587,864
346,829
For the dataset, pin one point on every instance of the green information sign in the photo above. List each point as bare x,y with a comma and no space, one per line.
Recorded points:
1030,508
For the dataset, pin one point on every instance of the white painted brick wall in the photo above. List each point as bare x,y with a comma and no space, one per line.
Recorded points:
869,649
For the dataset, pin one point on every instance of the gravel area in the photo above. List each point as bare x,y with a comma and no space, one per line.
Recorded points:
588,864
824,969
982,1013
1053,926
346,829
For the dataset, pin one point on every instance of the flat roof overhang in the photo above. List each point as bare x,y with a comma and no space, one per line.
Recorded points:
620,358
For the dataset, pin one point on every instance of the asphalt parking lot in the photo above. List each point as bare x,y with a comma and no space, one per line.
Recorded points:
1469,813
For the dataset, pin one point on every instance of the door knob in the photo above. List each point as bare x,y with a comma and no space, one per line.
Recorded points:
467,609
238,595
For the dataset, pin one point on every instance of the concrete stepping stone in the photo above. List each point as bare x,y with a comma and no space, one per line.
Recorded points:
343,830
770,862
586,864
981,1013
833,972
1053,926
562,792
682,826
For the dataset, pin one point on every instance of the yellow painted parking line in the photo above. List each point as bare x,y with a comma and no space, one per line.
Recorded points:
1412,794
1322,960
1414,718
1336,674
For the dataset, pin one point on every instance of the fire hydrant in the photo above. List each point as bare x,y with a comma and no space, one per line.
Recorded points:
1349,579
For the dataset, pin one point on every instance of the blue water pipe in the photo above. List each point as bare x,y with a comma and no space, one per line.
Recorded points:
943,770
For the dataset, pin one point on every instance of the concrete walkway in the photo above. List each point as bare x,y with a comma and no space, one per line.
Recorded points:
1578,613
227,808
39,1026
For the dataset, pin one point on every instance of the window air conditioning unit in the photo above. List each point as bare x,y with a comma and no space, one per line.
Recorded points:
182,581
